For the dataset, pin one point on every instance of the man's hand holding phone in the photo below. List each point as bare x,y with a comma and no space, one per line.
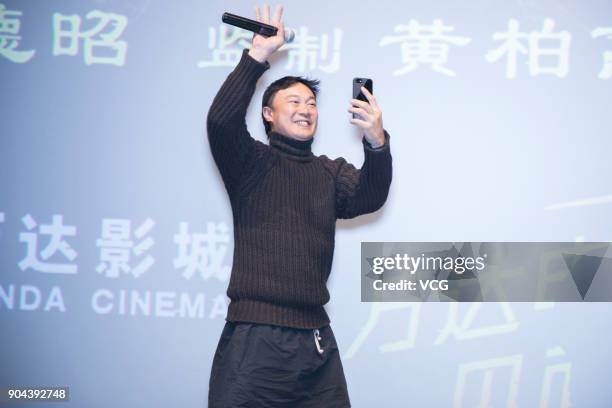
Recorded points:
369,119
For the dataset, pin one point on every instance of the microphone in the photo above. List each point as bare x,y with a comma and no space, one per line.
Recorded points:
266,30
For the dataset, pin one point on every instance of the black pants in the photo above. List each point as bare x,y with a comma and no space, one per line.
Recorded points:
260,365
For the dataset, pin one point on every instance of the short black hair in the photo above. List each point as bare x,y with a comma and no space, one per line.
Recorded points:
284,83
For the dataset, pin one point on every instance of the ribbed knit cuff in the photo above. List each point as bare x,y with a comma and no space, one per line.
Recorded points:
368,147
251,66
378,164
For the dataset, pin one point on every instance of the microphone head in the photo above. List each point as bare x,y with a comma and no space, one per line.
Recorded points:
289,35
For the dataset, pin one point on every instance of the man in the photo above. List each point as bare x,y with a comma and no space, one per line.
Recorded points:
277,348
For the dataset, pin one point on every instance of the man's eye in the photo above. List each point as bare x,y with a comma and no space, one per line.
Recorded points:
312,104
293,101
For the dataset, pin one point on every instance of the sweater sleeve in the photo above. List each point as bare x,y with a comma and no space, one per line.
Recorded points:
231,145
365,190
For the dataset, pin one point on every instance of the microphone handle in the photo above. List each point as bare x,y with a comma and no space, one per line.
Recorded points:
266,30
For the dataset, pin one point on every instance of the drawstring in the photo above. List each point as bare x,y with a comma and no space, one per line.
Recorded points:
317,338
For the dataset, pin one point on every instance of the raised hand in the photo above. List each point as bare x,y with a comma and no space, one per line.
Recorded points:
262,46
371,118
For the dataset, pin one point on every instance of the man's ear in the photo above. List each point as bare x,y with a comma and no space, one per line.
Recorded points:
267,113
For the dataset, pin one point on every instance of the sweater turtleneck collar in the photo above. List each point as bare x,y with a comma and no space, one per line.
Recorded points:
296,149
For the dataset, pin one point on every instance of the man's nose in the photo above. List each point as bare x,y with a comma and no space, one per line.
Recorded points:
303,109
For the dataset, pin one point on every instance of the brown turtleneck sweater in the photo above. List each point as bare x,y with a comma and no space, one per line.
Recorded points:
285,202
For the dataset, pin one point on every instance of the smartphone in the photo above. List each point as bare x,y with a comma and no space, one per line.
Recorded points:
357,94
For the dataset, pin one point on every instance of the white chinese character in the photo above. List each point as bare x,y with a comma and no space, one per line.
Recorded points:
487,389
406,332
606,70
562,370
56,244
203,252
308,52
226,45
9,40
116,247
512,46
421,44
108,29
464,331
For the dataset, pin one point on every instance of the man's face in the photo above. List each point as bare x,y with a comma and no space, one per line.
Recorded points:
293,112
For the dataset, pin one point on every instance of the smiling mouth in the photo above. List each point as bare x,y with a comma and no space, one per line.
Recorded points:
302,123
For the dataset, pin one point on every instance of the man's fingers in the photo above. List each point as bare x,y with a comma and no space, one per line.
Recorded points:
369,96
266,14
257,15
362,104
362,124
362,112
278,14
